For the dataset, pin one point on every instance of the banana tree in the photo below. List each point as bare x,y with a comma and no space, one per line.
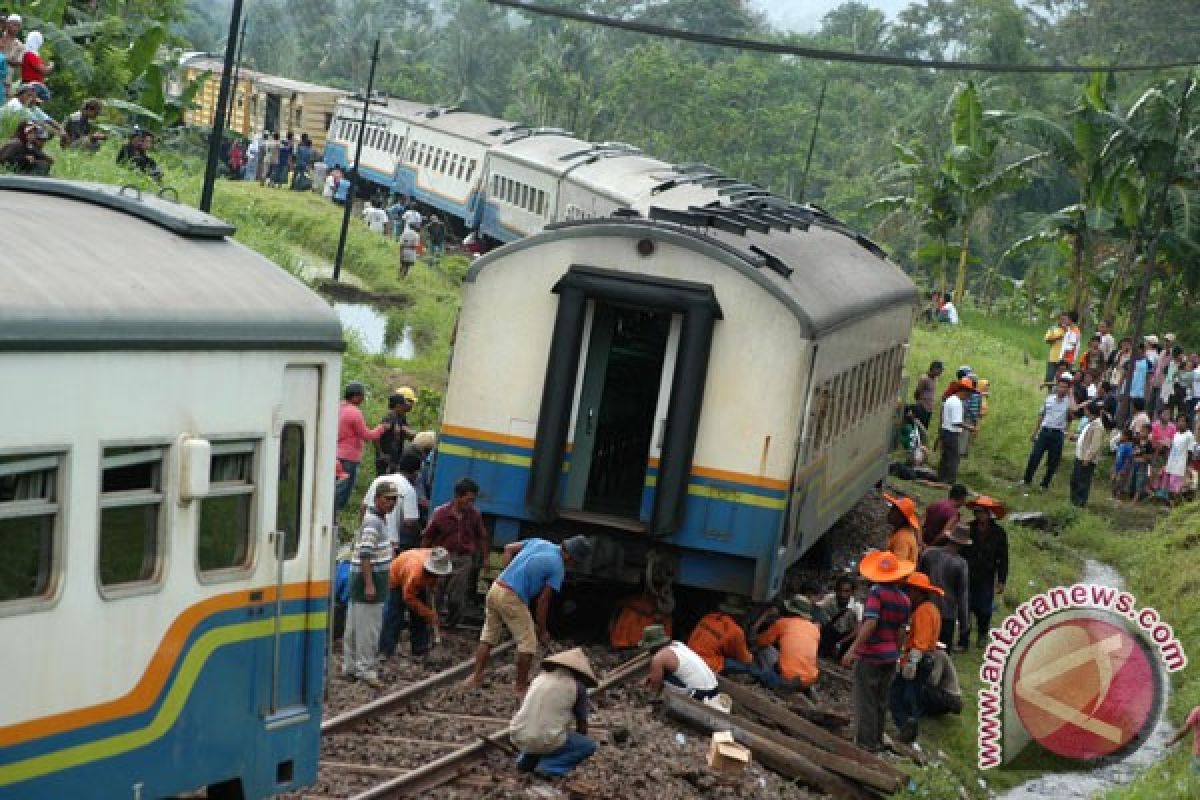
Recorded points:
928,198
1076,144
976,166
1153,156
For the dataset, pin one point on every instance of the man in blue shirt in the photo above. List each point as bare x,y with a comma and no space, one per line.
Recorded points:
534,571
1141,369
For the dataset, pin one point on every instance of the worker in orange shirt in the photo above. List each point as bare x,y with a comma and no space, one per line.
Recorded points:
633,615
902,516
923,629
719,640
790,644
413,577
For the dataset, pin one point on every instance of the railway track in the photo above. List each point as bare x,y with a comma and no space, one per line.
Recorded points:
429,732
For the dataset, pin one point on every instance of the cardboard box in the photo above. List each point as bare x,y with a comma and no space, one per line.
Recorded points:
727,756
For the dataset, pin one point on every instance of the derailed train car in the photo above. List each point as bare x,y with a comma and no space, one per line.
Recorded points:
708,389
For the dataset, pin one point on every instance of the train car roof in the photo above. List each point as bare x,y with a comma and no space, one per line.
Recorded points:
825,273
93,267
555,153
464,125
628,175
406,109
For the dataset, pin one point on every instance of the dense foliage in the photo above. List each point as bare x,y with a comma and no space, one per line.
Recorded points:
1015,190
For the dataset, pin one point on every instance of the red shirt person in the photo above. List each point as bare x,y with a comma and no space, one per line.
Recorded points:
352,432
943,516
458,527
33,68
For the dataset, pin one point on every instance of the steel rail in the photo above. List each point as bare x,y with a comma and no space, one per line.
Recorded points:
399,697
444,769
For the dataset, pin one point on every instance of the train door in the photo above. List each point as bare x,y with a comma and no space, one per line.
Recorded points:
293,539
618,394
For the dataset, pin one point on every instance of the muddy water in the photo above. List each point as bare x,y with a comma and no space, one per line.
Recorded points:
371,325
1086,785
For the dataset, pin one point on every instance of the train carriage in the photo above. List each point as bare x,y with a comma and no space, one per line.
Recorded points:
166,473
523,180
707,389
384,142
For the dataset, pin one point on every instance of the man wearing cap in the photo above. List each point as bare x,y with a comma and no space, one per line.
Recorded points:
1088,447
1050,432
22,101
404,523
987,563
458,527
946,567
541,727
902,516
925,393
922,640
677,666
954,423
534,571
396,432
876,648
791,643
718,638
352,432
412,580
368,589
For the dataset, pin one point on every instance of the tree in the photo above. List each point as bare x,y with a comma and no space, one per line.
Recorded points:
1153,157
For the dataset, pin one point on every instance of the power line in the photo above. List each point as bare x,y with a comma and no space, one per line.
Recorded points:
824,55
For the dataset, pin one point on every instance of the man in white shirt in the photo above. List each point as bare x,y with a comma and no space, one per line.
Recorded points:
541,727
376,218
1051,429
404,522
1107,342
952,427
1088,447
948,313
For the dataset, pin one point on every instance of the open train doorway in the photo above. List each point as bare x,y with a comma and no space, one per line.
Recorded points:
624,377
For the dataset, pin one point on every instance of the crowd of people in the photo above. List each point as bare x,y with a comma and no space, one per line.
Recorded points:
23,74
1135,400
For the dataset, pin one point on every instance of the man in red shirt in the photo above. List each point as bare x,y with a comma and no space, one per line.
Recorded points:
942,517
458,527
352,432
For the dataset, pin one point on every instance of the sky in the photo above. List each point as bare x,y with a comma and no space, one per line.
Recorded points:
805,15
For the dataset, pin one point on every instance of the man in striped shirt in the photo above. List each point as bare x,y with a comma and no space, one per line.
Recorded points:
369,588
876,648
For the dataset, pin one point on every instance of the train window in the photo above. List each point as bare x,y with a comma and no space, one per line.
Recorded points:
28,525
227,513
291,487
523,196
399,146
428,156
510,191
541,203
131,500
471,169
462,167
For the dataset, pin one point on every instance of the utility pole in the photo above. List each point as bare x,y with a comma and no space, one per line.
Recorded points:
362,130
218,128
812,142
237,77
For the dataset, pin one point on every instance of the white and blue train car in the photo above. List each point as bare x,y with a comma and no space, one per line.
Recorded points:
166,473
523,181
384,141
445,159
710,389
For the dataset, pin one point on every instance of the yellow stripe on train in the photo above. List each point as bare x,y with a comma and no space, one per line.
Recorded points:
172,706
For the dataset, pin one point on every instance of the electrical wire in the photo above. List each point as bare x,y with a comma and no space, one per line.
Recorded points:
780,48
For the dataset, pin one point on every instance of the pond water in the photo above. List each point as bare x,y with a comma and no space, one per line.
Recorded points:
1084,785
371,324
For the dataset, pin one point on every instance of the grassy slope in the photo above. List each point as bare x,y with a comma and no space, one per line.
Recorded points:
1010,355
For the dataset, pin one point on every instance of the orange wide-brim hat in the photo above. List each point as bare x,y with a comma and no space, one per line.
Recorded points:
906,506
919,580
884,566
993,505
